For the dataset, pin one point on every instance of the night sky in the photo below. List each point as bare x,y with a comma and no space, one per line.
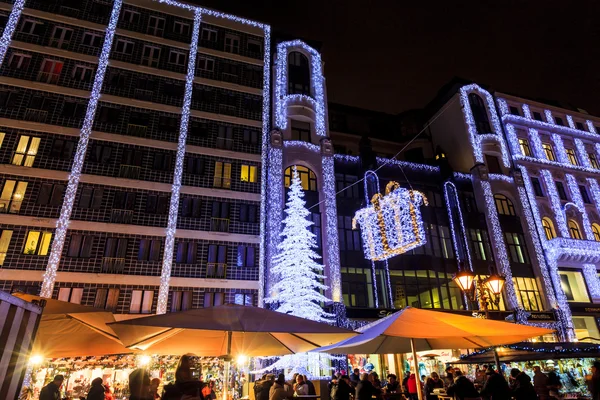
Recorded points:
394,55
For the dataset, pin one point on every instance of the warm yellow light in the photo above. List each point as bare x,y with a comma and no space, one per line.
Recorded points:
36,359
498,349
242,359
533,340
495,283
144,360
464,280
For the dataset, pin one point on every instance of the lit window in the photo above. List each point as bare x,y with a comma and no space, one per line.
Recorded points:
70,295
549,151
12,196
26,151
4,242
248,173
596,230
504,205
593,161
480,244
573,285
2,134
307,177
222,176
574,229
525,149
141,301
572,157
586,328
549,228
516,248
37,243
528,295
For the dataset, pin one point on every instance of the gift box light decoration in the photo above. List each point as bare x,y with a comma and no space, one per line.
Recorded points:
391,224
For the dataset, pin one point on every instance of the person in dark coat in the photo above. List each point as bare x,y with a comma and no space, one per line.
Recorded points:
521,387
364,389
311,387
343,389
449,378
355,377
594,383
495,386
540,383
96,391
393,384
52,390
433,382
139,385
462,387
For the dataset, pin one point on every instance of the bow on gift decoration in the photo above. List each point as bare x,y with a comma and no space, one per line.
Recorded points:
392,223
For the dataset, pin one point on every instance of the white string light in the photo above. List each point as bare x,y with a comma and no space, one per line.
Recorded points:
451,197
11,26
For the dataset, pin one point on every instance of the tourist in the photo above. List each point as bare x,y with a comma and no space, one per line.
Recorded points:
355,377
449,378
521,387
279,390
411,385
432,383
364,388
593,383
311,388
292,382
300,388
154,384
185,384
342,390
52,390
462,387
139,385
495,386
208,391
96,390
393,385
540,383
554,384
374,379
108,394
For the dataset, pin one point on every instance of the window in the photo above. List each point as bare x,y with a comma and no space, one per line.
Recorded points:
493,164
197,129
243,299
548,228
525,149
186,252
91,197
514,110
191,207
27,149
61,37
115,247
586,328
516,248
480,114
248,213
425,289
107,299
162,162
71,295
537,116
12,195
177,57
181,301
91,39
579,126
537,187
217,261
307,177
233,70
149,250
300,131
225,137
574,230
156,26
528,294
480,244
8,98
181,28
346,186
593,161
157,204
124,47
132,157
219,221
559,121
209,35
584,194
195,165
349,238
141,301
109,115
32,27
503,205
124,200
250,136
572,157
131,17
574,286
245,256
50,71
37,243
549,151
596,231
151,56
222,175
19,61
248,173
206,64
80,246
252,104
254,46
83,73
299,74
166,123
232,43
5,237
212,299
560,188
73,109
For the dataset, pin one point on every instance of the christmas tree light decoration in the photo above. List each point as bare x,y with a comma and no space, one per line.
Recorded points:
392,223
11,26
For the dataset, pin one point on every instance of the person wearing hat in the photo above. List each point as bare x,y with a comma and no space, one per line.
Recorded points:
52,390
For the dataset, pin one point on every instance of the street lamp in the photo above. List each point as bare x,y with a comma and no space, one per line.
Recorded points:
487,290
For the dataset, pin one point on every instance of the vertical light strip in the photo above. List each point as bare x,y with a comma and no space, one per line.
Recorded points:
333,250
274,207
583,156
452,199
591,126
549,116
571,122
526,111
165,276
559,149
67,207
536,144
578,200
559,215
563,304
11,26
513,140
591,279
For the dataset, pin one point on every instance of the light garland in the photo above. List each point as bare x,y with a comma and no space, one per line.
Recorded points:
502,106
273,205
11,26
534,123
590,273
526,111
561,153
407,164
165,276
501,177
555,203
571,122
69,200
578,200
536,145
281,86
299,144
452,202
549,117
591,126
460,176
595,191
584,158
333,250
374,283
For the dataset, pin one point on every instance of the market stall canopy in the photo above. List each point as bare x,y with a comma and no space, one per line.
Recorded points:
204,332
534,351
73,330
431,330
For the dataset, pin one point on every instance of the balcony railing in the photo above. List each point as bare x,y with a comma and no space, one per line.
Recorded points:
113,265
222,182
136,130
219,224
59,43
216,271
48,77
142,94
224,143
226,109
34,115
227,77
10,206
129,171
120,216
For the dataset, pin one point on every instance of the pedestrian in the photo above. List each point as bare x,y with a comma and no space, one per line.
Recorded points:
495,386
521,387
364,388
311,388
208,391
432,383
393,385
292,382
52,390
154,384
411,385
139,385
108,394
96,390
300,388
593,383
449,378
540,383
554,383
185,387
342,390
462,387
278,390
355,377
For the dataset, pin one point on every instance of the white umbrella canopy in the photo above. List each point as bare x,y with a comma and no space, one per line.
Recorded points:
227,330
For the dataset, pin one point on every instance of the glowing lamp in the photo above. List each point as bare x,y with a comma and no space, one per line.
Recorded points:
242,359
36,359
464,280
144,360
495,283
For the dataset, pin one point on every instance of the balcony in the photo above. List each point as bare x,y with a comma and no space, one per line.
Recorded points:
216,271
231,78
136,130
130,171
10,206
219,224
113,265
34,115
226,109
119,216
48,77
142,94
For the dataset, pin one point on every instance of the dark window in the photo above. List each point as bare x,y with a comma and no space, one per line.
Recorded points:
132,157
197,129
191,207
91,197
219,221
252,104
39,103
560,188
149,250
537,187
92,39
168,124
559,121
493,164
107,299
300,131
73,109
181,300
109,115
254,46
349,238
115,247
250,136
119,79
579,126
514,110
124,46
245,256
584,194
480,114
162,161
195,165
248,213
298,74
225,137
186,252
209,35
173,89
62,149
157,204
100,153
138,118
50,194
80,246
124,200
8,99
217,254
346,186
537,116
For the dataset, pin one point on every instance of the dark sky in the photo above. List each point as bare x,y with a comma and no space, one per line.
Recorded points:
394,55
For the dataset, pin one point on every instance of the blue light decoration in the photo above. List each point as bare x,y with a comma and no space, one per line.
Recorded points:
11,26
555,203
590,273
65,214
561,153
579,204
331,228
392,223
274,203
451,198
584,158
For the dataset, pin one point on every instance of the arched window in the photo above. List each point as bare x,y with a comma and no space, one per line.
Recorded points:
480,114
574,230
298,73
596,230
307,177
548,228
504,205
